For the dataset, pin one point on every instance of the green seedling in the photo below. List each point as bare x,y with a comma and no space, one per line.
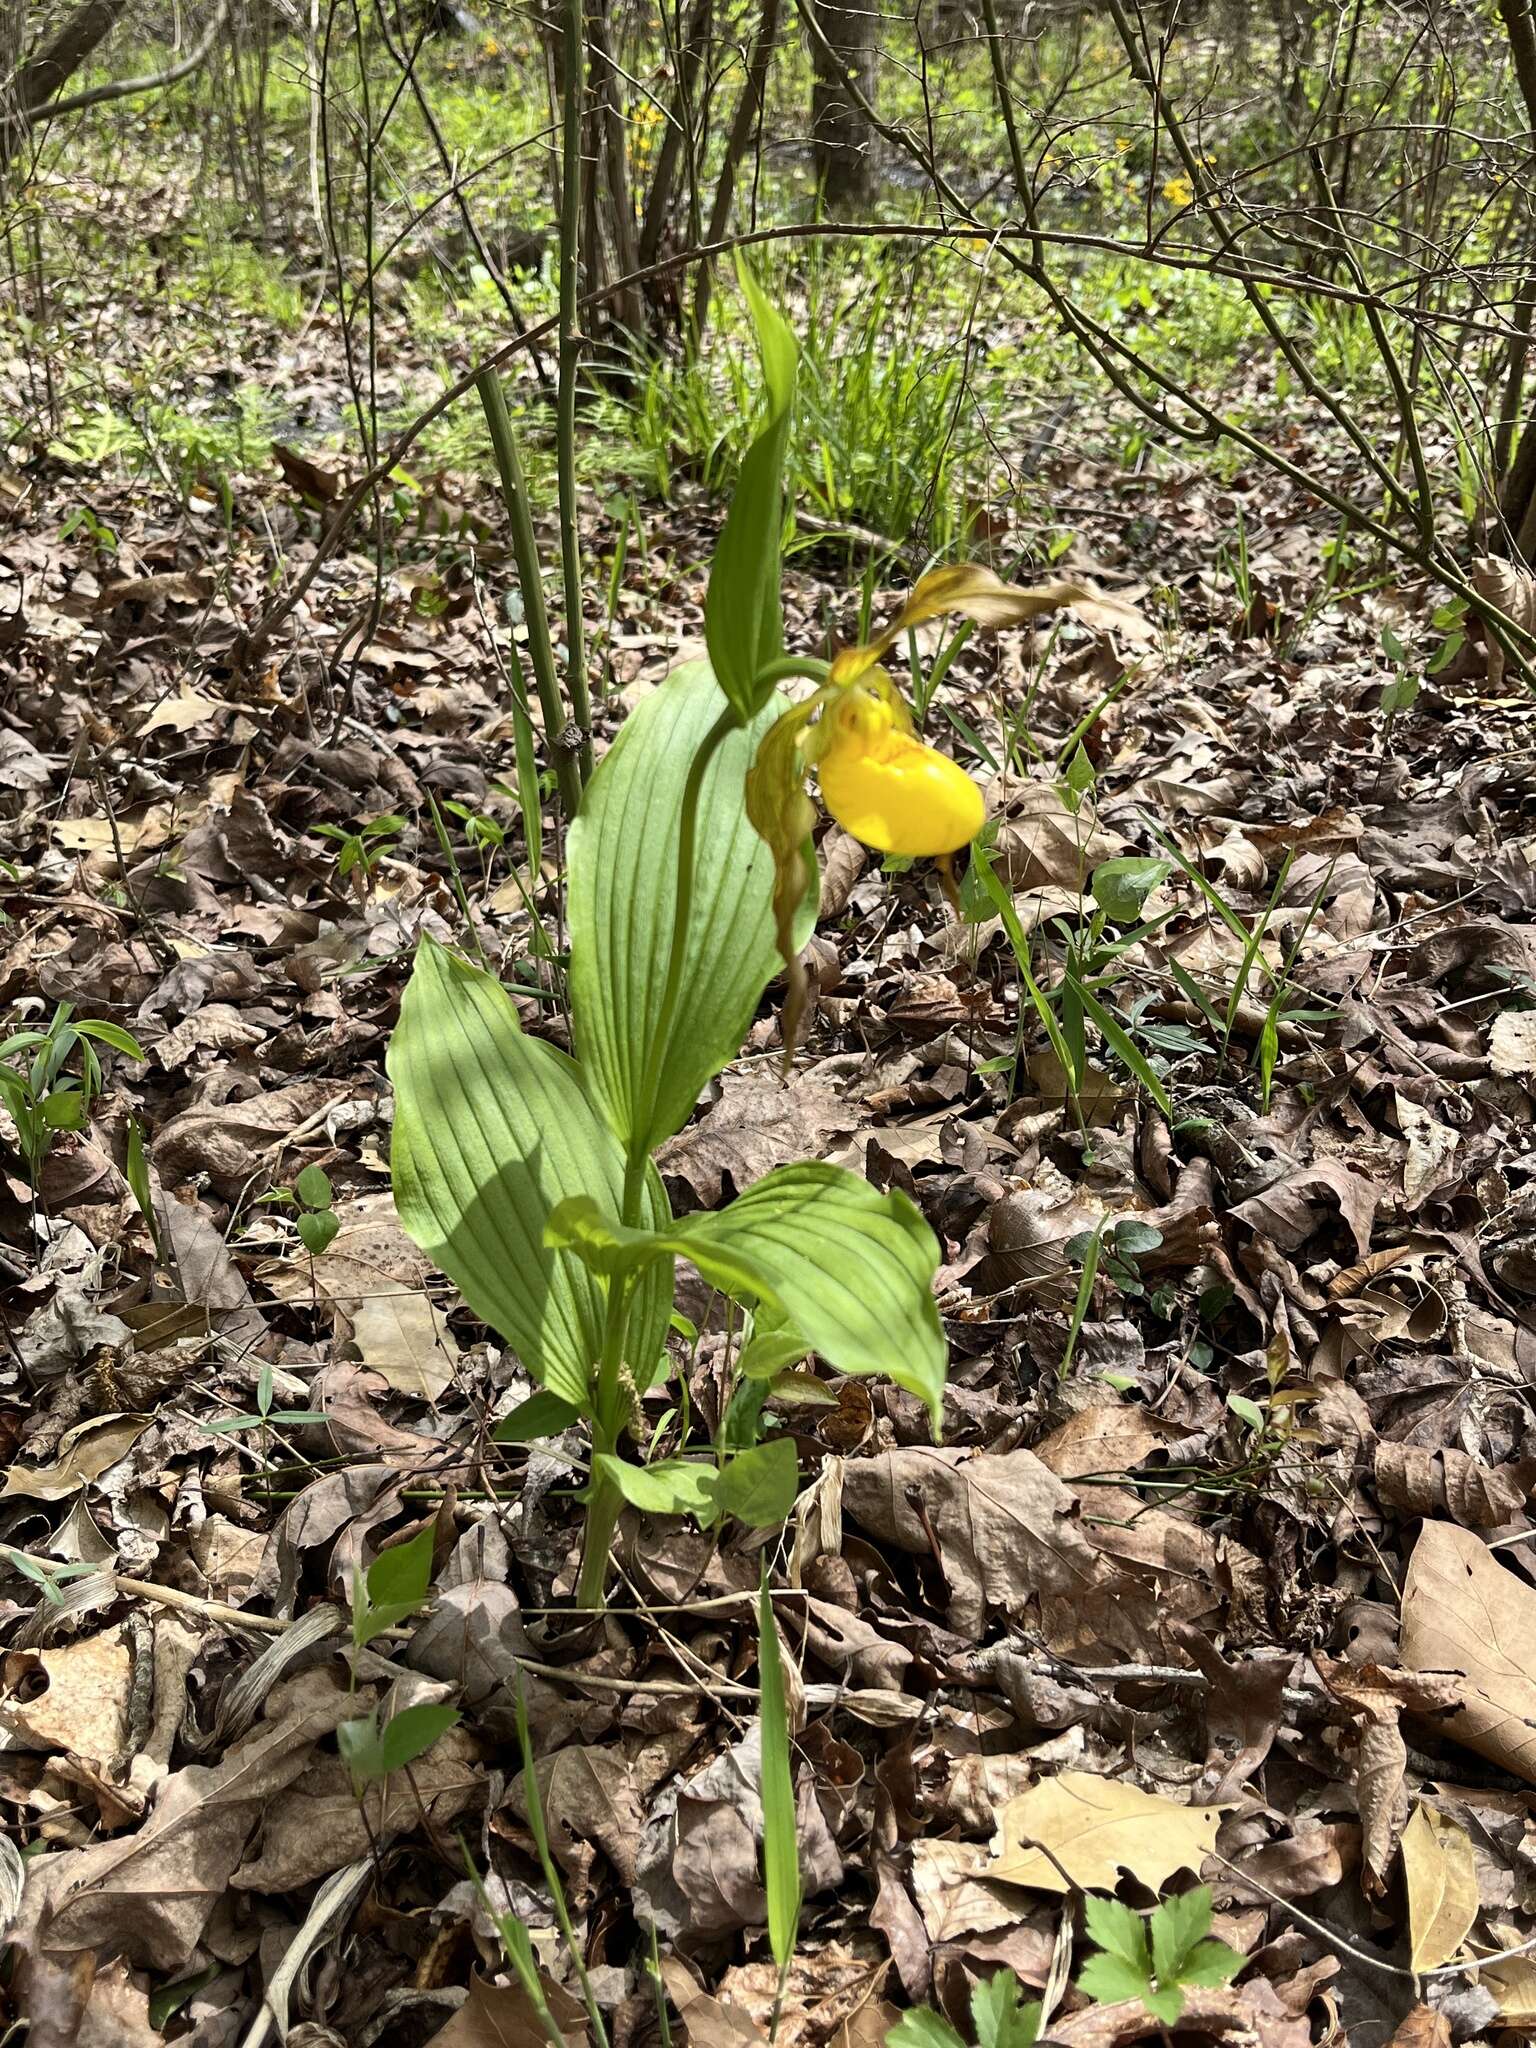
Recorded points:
999,2019
1181,1956
312,1196
1402,693
392,1588
361,852
534,1800
373,1750
1089,966
264,1416
42,1098
46,1576
781,1840
317,1222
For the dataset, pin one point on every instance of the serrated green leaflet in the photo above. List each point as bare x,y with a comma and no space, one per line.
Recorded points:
493,1130
851,1269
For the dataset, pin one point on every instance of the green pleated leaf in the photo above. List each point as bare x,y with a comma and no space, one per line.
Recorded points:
744,607
623,897
493,1130
852,1270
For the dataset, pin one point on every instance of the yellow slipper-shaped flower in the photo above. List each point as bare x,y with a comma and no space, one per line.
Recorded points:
884,786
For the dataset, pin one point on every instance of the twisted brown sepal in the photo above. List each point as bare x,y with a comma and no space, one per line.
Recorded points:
783,815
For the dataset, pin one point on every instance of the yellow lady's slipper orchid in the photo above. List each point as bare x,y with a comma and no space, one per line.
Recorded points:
878,779
885,787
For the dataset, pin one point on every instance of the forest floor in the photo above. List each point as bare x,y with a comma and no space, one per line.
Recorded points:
1213,1531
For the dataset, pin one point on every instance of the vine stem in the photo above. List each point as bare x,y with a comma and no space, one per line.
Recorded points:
611,1409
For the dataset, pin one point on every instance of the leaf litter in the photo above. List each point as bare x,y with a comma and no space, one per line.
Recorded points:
1221,1574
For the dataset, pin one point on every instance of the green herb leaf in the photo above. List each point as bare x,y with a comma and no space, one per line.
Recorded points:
758,1486
623,899
851,1269
412,1732
743,610
493,1129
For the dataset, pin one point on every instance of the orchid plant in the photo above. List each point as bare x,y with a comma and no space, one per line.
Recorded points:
528,1174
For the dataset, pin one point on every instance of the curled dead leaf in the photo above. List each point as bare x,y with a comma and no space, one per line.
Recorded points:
1447,1482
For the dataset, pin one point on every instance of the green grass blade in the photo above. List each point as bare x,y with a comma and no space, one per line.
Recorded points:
781,1846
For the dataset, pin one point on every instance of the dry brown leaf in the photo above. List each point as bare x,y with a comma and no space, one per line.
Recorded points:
1096,1829
1513,590
953,1893
188,708
1463,1612
177,586
710,2022
502,2016
1010,1528
151,1895
1446,1482
397,1333
1440,1869
1513,1984
1377,1696
758,1123
1111,1436
314,1826
85,1452
1512,1042
73,1698
1250,2018
1423,2028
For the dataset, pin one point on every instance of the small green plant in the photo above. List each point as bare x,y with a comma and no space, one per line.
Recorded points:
373,1750
999,2019
1114,1251
1079,996
363,850
83,520
391,1590
42,1098
1402,693
311,1196
264,1416
1181,1957
317,1223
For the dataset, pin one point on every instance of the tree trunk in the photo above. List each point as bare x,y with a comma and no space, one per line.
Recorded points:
38,81
749,109
840,134
1517,483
